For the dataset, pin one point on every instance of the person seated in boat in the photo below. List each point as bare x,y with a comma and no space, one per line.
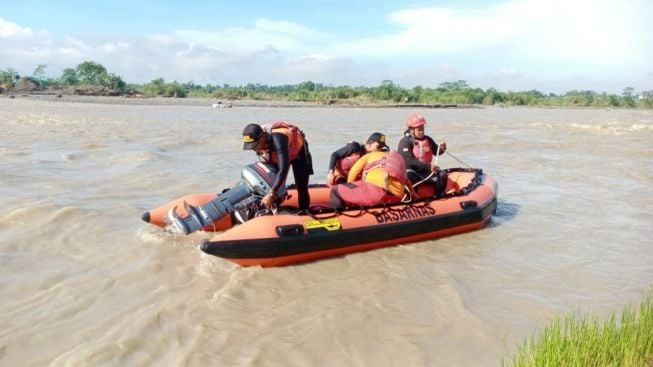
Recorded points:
377,177
342,160
418,149
283,145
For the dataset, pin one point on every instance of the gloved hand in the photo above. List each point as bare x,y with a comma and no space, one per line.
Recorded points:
442,147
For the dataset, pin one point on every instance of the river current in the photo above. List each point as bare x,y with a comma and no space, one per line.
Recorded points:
84,282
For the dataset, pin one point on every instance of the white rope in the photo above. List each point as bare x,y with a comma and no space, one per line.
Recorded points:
437,155
425,179
461,162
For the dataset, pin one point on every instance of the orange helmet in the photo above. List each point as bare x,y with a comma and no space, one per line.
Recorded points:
415,120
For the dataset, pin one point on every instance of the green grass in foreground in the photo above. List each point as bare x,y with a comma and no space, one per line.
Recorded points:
584,341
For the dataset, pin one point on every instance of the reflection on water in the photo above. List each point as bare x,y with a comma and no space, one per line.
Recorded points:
85,282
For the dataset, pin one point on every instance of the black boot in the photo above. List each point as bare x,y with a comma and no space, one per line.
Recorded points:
440,184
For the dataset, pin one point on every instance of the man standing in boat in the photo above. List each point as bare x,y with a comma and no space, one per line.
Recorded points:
377,177
418,149
282,145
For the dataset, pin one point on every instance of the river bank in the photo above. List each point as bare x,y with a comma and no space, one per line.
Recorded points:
211,102
222,103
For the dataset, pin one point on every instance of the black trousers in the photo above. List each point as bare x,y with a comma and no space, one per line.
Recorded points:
302,168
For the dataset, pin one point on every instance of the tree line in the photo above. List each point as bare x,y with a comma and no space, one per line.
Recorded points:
90,73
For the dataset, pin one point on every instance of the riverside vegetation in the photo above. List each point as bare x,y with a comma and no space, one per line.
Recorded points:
577,341
90,74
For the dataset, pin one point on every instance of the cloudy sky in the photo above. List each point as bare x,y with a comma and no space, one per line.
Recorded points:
548,45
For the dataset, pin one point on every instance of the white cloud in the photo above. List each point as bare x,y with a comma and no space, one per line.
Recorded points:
9,29
290,37
516,44
114,47
78,44
579,33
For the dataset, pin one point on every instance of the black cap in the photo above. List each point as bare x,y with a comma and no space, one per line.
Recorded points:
251,134
379,138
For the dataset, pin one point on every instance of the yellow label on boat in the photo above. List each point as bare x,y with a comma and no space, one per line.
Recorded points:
330,224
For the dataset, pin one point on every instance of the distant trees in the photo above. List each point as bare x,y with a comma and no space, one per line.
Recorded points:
492,97
647,99
8,77
628,96
389,91
453,86
69,77
456,92
90,73
39,73
158,87
87,73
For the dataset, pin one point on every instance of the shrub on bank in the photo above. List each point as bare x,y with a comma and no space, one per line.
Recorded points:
158,87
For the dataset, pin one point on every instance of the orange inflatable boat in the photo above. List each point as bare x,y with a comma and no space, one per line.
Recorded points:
288,238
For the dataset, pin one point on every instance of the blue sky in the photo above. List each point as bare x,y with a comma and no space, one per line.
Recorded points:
552,46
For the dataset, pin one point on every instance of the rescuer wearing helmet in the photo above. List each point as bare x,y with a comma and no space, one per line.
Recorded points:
418,149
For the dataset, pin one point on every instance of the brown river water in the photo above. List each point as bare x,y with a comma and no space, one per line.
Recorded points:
84,282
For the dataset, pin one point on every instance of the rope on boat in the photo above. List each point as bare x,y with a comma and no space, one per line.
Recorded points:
459,161
425,179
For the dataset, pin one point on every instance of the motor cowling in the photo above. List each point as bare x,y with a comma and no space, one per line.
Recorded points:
259,177
243,201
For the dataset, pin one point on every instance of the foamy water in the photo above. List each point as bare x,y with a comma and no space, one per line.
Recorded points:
83,281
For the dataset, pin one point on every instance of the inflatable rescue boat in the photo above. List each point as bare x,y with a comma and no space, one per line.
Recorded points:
251,236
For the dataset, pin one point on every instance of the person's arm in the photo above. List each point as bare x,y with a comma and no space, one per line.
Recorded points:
405,148
339,154
343,152
280,146
357,169
442,147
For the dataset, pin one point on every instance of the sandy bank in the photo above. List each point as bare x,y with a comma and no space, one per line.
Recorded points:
153,100
211,102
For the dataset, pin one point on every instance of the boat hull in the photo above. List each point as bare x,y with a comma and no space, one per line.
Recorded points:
286,239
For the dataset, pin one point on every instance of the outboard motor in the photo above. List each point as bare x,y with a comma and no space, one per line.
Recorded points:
243,200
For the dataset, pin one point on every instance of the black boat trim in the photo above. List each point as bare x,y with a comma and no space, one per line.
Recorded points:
328,240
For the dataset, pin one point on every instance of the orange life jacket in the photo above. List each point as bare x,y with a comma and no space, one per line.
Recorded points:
344,165
422,150
393,163
294,135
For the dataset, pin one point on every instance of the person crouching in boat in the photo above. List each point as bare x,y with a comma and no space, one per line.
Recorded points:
378,177
418,149
342,160
283,145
